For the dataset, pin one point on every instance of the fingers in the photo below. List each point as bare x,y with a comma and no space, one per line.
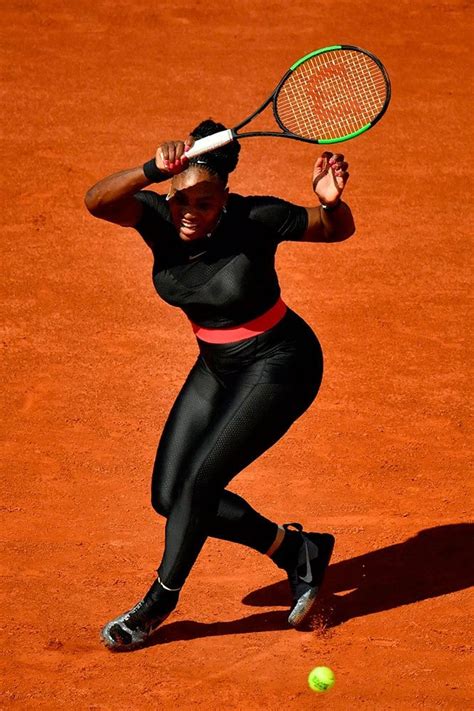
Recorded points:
330,160
333,163
170,156
337,164
321,163
335,160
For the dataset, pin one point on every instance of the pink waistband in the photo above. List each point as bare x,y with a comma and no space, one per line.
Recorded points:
247,330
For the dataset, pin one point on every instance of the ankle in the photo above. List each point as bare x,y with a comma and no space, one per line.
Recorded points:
285,556
165,587
278,540
161,596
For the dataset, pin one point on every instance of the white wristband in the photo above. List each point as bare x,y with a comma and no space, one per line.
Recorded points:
331,208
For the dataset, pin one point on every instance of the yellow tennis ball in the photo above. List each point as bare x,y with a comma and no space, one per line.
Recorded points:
321,679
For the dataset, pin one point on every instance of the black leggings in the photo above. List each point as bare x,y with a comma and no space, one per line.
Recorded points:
237,401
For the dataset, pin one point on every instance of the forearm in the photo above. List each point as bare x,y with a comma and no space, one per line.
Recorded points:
111,190
337,224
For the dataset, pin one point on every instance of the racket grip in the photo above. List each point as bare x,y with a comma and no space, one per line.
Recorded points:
208,143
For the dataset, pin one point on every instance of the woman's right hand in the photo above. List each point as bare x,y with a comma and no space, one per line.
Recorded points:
170,156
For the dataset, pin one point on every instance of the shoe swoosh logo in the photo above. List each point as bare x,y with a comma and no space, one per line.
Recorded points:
307,578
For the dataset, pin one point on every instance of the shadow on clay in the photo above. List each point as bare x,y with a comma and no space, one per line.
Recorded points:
187,629
437,561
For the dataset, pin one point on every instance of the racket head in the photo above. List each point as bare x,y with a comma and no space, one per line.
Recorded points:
332,94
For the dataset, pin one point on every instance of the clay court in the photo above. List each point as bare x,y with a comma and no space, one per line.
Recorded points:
93,360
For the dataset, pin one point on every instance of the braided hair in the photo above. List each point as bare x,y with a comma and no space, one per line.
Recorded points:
221,161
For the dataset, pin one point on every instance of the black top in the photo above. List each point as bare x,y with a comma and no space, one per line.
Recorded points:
228,278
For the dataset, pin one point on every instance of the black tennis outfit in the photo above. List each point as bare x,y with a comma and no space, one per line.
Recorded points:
240,397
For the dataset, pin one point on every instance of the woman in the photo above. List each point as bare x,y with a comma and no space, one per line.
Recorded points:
259,365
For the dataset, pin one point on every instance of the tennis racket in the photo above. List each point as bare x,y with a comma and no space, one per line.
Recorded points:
328,96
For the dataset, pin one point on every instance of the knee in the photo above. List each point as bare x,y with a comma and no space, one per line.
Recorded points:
201,491
161,502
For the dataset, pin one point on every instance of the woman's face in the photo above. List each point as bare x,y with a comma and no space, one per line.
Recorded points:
196,199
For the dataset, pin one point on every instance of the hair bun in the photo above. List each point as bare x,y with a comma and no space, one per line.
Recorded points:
221,161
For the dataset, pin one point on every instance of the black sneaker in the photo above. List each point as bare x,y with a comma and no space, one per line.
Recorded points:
133,628
306,577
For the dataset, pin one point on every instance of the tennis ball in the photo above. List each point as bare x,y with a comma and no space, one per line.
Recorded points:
321,679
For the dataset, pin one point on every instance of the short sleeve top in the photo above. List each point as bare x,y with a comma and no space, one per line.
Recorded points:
228,278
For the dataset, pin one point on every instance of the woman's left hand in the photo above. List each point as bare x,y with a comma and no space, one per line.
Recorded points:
330,177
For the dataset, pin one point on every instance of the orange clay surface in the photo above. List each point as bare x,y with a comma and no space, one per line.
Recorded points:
92,362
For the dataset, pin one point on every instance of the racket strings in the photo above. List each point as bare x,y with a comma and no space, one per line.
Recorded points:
332,95
341,92
341,95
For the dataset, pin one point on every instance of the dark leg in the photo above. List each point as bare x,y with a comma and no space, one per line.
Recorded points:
247,421
191,416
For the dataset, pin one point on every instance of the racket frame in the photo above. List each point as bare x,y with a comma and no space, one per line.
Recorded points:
274,97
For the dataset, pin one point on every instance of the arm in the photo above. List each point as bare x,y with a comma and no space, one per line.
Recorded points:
335,223
112,198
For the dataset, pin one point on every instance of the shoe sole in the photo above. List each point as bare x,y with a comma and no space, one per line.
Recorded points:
115,646
306,602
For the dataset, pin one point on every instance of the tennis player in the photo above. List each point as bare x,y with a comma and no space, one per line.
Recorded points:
259,365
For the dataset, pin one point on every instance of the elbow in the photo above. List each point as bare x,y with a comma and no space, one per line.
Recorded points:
341,235
348,230
92,202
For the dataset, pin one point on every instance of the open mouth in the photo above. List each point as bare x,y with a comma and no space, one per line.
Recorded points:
188,229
